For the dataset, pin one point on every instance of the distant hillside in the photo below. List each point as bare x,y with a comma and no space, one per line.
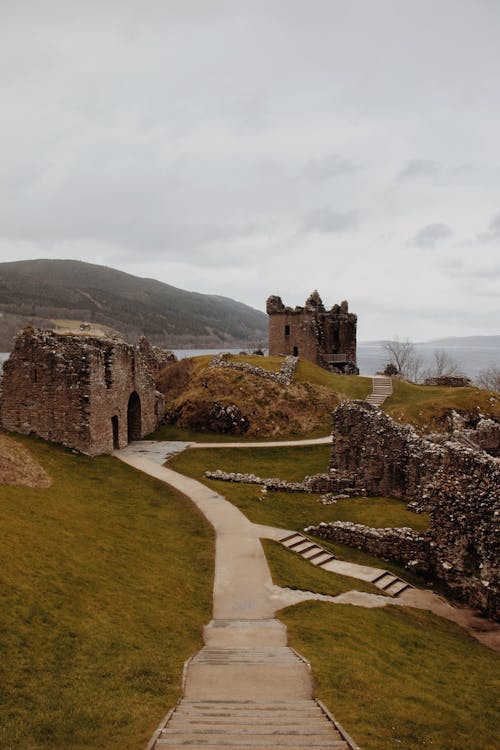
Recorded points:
463,341
450,342
42,291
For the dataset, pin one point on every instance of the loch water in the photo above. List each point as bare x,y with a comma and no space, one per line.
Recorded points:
372,356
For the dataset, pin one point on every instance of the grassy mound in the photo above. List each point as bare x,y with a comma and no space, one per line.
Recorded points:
102,601
396,677
267,409
428,408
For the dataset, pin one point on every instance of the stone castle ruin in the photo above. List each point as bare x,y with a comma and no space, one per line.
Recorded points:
457,485
88,393
325,337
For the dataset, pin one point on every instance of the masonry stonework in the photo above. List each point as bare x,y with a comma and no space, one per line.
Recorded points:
459,486
91,394
325,337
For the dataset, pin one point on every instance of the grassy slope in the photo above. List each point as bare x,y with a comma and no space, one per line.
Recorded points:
291,570
394,677
101,603
398,677
426,406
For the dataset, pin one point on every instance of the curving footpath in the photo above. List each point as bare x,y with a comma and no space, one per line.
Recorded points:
246,687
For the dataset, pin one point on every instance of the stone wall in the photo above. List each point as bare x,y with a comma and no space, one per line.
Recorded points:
91,394
284,376
154,358
325,337
449,381
405,546
459,486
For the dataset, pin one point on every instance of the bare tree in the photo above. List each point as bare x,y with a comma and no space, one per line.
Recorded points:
443,364
404,358
489,378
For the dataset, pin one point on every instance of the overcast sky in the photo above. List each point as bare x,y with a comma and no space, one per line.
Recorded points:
249,147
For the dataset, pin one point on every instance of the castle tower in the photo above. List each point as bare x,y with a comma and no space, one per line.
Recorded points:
325,337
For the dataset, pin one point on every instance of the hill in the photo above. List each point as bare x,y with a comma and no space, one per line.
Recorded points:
41,292
198,398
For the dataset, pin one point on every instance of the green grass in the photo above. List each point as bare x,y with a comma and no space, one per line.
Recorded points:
398,677
426,406
295,510
351,386
290,570
102,601
289,509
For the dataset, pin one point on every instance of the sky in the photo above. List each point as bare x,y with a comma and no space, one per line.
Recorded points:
249,147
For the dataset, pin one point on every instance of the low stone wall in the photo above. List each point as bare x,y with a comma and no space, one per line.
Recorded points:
284,376
449,381
316,483
403,545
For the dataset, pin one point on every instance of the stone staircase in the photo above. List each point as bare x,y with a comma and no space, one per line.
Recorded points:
249,724
381,389
317,555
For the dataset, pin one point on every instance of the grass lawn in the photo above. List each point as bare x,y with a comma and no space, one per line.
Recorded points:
424,406
296,510
290,570
287,509
102,601
396,677
351,386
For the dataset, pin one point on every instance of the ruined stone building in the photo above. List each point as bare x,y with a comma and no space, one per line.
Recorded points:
325,337
92,394
458,486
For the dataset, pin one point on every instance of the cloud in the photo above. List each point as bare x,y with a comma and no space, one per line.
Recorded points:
429,235
327,221
418,169
329,167
493,232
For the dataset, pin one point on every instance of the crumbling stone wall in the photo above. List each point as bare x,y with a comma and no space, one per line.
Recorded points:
325,337
403,545
154,358
449,381
284,376
459,486
92,394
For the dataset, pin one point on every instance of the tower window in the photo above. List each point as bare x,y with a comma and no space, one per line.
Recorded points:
295,351
287,330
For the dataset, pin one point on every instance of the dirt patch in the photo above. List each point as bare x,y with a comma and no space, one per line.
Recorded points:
17,466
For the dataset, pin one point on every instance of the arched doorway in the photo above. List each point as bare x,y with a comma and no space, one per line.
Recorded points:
134,417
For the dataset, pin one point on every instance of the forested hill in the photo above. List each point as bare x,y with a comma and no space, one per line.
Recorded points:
43,291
